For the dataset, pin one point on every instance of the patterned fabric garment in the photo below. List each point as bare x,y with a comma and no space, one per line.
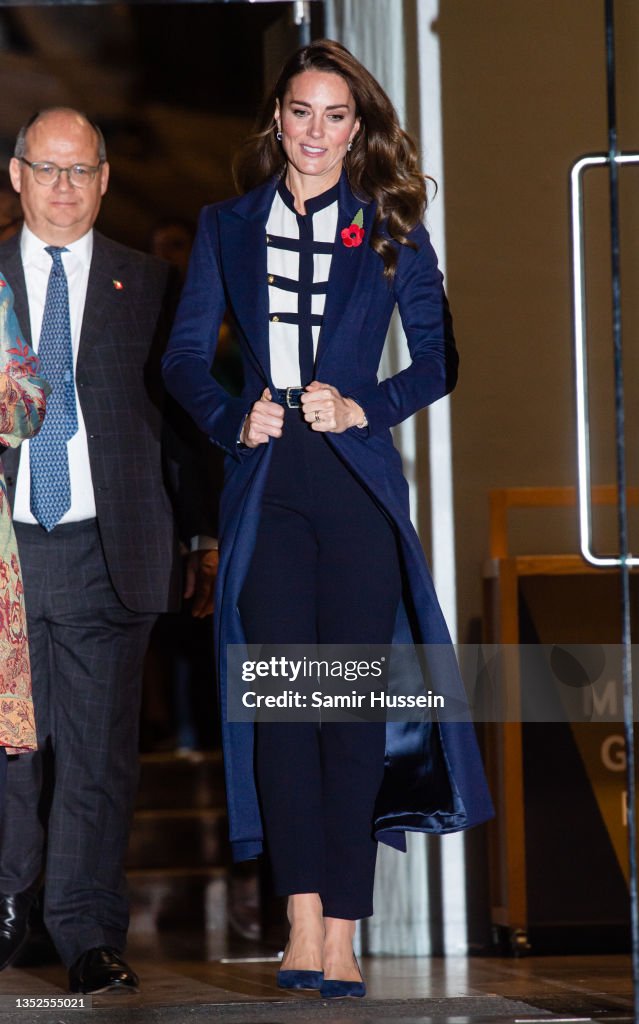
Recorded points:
22,406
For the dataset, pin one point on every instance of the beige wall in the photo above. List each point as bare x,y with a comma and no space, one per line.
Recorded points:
523,86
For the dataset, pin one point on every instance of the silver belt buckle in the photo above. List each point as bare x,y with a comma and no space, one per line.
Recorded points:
288,399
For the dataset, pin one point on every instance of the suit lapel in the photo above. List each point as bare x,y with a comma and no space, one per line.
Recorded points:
105,273
243,246
347,265
11,265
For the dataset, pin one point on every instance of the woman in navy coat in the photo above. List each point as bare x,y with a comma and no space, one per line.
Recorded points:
316,543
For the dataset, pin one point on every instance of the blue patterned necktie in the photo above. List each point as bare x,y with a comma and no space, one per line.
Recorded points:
50,482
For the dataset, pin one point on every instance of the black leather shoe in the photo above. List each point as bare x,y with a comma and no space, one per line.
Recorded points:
102,970
14,924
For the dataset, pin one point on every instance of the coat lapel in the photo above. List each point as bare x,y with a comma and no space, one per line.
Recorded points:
347,266
243,244
244,248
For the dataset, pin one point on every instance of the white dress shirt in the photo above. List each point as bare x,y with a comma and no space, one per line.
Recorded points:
37,265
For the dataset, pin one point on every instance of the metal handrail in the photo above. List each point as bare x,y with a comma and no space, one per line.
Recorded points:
581,354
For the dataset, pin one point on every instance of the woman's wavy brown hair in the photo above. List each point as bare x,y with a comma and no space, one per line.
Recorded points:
382,165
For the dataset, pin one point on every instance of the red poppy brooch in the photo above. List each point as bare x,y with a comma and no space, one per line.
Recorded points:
353,235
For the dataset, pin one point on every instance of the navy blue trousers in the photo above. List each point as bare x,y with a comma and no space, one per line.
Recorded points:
325,570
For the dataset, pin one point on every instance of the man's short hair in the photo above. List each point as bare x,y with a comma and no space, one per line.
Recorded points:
21,138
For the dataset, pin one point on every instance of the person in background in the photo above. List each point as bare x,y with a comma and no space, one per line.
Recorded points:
316,543
179,707
23,393
171,240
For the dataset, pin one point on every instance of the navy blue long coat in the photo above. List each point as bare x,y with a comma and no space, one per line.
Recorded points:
434,780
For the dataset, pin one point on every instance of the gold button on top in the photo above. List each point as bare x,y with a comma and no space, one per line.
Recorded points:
271,278
275,319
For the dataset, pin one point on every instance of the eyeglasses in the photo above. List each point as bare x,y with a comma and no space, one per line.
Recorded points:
45,173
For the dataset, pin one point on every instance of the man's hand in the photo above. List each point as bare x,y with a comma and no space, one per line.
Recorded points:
201,570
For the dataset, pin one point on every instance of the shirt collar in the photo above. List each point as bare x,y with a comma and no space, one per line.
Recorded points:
32,248
313,205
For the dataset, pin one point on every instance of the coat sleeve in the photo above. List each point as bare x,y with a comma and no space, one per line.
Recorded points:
425,315
22,407
191,349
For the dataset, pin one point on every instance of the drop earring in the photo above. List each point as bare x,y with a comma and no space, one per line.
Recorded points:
278,135
349,147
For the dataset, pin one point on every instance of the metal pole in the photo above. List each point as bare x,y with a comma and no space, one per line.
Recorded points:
628,710
302,18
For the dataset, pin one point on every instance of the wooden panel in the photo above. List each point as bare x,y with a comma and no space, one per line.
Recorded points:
505,498
501,575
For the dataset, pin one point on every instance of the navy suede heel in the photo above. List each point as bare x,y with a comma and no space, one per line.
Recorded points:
342,989
300,979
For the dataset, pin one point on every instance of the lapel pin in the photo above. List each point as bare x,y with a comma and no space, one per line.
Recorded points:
117,285
353,235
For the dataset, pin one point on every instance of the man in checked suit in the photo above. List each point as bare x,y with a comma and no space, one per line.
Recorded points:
97,543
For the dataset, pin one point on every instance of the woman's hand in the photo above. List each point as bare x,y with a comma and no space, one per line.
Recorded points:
327,411
265,420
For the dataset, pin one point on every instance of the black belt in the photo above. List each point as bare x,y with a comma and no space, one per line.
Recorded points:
290,396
